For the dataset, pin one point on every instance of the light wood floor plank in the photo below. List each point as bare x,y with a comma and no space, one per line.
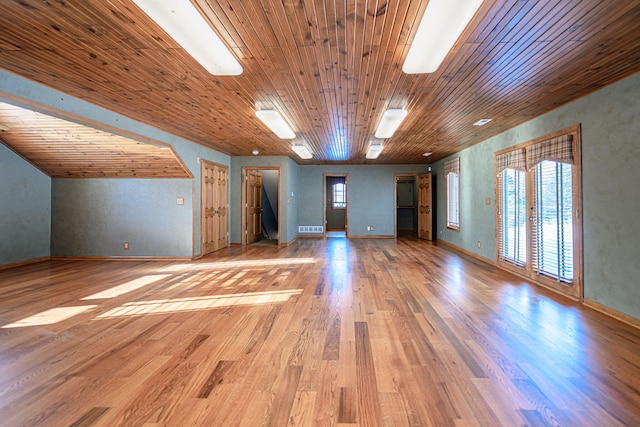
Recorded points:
331,332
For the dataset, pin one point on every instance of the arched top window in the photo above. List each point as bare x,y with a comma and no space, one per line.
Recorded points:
339,190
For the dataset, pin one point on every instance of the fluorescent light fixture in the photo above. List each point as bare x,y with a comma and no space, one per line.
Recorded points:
374,151
182,21
276,123
427,154
441,25
482,122
390,122
302,151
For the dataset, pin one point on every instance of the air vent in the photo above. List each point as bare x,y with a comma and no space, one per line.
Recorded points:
310,229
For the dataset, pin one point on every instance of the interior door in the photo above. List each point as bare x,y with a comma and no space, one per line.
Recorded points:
254,207
214,207
221,219
425,211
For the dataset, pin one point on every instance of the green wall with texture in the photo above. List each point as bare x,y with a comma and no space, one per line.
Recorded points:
25,209
610,124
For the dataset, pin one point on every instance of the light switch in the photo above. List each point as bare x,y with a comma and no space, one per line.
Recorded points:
180,200
487,201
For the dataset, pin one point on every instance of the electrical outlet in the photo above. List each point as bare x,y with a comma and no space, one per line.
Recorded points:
126,246
478,243
369,227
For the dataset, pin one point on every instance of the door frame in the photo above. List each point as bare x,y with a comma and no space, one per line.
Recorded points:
243,193
324,202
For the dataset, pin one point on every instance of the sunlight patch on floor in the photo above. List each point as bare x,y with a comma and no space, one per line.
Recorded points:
140,308
51,316
238,264
127,287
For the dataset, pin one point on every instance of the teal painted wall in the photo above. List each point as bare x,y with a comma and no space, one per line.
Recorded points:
93,217
288,194
370,196
476,218
610,120
25,209
22,92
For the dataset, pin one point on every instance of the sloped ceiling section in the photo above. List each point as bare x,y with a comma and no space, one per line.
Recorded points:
330,67
63,149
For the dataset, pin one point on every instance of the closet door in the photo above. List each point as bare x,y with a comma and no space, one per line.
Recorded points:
214,207
221,198
425,211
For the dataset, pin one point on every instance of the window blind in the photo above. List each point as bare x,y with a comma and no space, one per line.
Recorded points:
512,216
552,236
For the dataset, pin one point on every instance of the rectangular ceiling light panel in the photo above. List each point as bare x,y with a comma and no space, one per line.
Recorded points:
482,122
302,151
438,31
182,21
374,151
390,122
276,123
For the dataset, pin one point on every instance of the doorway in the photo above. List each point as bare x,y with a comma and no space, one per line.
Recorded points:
261,202
414,213
336,206
406,205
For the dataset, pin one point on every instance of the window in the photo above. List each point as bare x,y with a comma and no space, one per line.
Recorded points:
537,202
452,173
339,190
514,217
553,230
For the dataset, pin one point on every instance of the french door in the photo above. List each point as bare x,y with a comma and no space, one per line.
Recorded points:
539,227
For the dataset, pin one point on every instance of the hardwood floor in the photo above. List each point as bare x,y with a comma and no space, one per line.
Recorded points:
324,332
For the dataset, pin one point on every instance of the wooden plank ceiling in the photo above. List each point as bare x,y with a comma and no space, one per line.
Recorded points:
331,68
64,149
